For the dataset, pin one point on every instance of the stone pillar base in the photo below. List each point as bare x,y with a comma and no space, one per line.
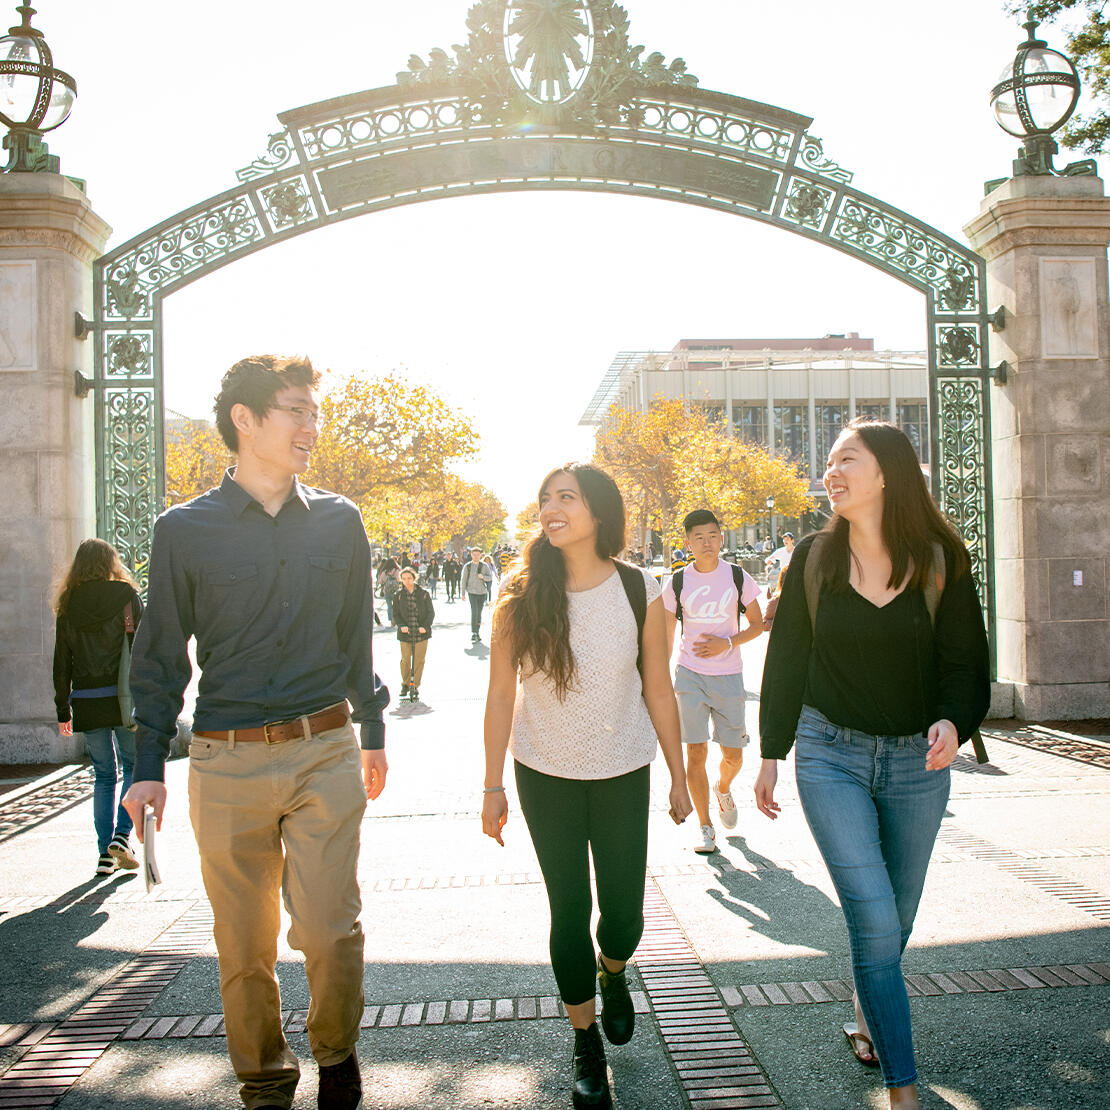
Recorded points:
31,743
1062,701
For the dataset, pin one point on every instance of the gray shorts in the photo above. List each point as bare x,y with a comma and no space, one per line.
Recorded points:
716,697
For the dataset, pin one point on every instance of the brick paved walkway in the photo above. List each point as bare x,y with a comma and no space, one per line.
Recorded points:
742,978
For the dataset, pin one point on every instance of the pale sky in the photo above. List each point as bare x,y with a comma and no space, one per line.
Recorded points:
512,306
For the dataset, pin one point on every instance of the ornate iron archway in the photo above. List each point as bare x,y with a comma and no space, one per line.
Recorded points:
545,94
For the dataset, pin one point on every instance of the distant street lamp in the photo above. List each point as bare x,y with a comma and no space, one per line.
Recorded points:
1035,96
34,96
771,518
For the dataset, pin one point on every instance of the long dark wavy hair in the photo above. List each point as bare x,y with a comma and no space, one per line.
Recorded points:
95,561
532,608
912,523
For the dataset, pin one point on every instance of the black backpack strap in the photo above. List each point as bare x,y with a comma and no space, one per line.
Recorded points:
738,582
635,589
676,585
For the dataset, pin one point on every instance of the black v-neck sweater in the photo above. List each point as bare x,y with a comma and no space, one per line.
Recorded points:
882,670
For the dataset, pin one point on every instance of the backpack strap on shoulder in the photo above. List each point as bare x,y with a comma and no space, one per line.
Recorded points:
635,589
812,580
676,585
738,582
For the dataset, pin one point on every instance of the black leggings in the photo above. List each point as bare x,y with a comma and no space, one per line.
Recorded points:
610,816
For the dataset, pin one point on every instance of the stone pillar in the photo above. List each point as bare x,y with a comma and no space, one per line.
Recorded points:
49,237
1045,240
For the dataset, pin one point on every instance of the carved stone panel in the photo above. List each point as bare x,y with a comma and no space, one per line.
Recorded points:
17,315
1069,308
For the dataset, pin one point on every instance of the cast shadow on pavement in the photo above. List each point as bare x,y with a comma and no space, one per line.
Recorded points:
758,897
46,940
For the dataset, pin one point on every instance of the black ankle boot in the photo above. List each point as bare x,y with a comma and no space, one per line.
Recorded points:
591,1083
618,1018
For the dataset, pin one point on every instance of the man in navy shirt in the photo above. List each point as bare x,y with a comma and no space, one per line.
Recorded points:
273,579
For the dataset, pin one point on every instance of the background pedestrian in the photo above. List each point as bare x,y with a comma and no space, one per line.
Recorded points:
415,613
89,639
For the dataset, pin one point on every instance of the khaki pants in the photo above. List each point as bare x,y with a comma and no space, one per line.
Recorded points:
285,818
412,661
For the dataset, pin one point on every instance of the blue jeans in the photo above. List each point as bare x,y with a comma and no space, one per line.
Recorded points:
109,818
389,608
874,811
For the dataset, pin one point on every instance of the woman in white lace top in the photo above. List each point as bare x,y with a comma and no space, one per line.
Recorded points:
567,699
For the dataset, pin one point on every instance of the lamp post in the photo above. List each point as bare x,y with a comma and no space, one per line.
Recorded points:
771,520
1035,96
34,96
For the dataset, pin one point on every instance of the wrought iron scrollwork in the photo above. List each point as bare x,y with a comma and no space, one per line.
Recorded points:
131,473
125,298
279,153
962,444
812,155
958,346
288,203
900,245
128,354
958,290
192,243
807,204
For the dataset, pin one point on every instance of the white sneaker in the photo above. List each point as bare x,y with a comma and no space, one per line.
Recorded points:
728,807
119,848
708,841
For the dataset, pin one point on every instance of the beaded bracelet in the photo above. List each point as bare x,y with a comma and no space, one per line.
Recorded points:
494,790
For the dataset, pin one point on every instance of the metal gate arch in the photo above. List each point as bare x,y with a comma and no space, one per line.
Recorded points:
500,116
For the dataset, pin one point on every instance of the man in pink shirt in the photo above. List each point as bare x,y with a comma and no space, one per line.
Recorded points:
707,596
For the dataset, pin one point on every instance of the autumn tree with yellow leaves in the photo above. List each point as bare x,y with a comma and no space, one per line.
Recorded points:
387,444
672,459
387,434
196,459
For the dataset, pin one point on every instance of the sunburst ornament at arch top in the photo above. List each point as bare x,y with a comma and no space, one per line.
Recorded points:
549,47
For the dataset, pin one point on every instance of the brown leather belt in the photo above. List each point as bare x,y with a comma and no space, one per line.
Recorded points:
277,732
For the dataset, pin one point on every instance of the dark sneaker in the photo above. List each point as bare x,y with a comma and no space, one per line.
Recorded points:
106,865
340,1086
591,1082
119,848
618,1017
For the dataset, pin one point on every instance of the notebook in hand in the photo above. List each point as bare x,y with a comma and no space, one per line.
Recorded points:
150,864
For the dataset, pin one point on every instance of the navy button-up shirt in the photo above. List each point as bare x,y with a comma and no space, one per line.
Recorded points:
281,608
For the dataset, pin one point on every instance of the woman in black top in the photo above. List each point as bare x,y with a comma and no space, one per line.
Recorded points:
88,642
413,614
878,667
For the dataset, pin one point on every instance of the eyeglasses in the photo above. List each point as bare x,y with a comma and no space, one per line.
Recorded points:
302,416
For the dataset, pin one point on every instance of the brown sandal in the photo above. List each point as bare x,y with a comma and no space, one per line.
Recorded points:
862,1048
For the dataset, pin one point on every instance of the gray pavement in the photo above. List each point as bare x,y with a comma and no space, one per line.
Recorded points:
1008,964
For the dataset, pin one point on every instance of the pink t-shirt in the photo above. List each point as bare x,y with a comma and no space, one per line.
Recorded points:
709,607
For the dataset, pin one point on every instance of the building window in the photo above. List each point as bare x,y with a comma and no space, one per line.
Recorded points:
714,411
830,422
873,410
913,419
750,423
792,432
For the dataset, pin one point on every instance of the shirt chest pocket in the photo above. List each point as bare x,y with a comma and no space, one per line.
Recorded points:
228,596
327,583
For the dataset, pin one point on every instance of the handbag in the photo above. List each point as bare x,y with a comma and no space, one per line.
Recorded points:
123,682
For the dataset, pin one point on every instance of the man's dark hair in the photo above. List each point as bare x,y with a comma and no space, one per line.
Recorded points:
699,516
254,382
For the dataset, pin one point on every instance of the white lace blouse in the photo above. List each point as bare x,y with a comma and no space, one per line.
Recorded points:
602,729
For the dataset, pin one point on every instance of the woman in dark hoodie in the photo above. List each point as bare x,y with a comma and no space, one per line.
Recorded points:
89,636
